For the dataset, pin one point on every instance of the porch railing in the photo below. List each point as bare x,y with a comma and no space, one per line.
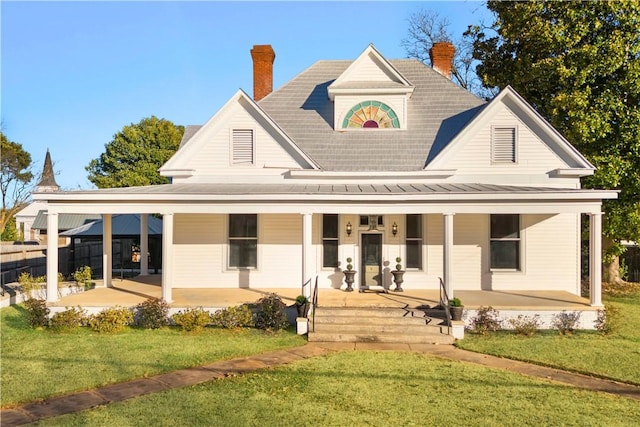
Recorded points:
444,303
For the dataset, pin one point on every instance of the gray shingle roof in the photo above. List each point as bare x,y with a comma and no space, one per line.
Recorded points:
437,111
189,131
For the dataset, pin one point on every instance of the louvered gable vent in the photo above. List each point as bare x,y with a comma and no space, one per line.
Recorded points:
503,141
242,146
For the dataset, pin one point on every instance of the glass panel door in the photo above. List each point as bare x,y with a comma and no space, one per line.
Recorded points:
371,260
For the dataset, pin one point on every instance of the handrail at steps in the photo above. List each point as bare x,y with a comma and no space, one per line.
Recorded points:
444,303
314,304
304,285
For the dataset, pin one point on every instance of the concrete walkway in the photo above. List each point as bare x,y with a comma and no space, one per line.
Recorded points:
83,400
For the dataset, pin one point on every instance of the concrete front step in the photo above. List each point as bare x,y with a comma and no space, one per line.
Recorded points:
384,312
382,338
357,320
358,328
378,324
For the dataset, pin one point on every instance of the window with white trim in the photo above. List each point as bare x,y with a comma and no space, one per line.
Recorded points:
505,242
242,147
330,240
503,145
413,241
243,240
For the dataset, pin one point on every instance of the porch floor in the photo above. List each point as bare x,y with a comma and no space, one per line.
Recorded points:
129,292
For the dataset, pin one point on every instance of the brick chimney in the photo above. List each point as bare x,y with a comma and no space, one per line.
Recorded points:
441,55
263,57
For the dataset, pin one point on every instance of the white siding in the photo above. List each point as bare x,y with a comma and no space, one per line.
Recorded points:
200,253
550,250
551,255
533,156
199,242
367,70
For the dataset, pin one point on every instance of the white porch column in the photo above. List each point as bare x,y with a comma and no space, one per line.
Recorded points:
595,259
307,257
52,257
447,249
144,244
167,257
107,250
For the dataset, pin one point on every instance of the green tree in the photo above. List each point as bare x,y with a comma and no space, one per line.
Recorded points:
135,154
578,64
14,179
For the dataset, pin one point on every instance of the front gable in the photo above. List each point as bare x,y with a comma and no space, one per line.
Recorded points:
240,139
509,137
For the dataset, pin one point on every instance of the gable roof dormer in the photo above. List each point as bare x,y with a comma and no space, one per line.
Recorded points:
370,93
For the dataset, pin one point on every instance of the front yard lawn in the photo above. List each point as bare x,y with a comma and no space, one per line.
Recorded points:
368,388
615,356
41,363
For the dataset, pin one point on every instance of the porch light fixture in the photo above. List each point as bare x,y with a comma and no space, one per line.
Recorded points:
394,229
349,229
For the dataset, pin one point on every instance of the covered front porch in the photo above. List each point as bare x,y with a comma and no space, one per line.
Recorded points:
129,292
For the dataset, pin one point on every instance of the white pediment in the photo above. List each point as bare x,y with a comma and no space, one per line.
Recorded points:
207,151
541,144
370,74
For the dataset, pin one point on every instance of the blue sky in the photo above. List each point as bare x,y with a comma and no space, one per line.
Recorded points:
74,73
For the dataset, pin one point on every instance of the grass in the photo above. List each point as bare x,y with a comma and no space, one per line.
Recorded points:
369,388
41,363
358,388
615,356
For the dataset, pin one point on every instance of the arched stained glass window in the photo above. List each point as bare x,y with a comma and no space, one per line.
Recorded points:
371,114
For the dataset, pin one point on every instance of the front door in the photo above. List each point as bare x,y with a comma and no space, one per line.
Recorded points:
371,257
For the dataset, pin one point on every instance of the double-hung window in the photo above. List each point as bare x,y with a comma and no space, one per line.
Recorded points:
329,240
505,242
413,241
243,241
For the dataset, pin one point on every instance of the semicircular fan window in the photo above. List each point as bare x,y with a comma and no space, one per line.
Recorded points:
371,115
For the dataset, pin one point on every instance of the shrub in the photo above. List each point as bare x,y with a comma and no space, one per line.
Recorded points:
110,320
151,314
270,315
485,321
565,322
37,312
71,318
192,319
609,320
525,325
233,317
29,284
82,276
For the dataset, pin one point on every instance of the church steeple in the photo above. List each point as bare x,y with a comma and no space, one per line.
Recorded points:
48,179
